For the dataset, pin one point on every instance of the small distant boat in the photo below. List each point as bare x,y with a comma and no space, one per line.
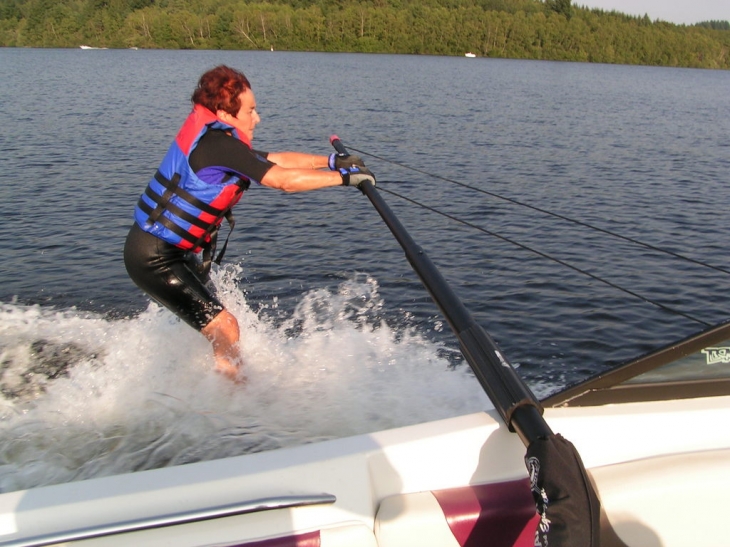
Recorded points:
87,47
469,54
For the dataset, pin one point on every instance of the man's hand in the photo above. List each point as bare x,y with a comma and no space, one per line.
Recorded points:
355,176
344,161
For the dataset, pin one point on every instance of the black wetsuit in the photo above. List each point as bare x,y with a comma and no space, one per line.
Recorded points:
172,276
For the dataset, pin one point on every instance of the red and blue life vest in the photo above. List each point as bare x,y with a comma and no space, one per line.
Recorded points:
177,206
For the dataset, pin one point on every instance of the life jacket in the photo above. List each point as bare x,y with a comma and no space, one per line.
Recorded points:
180,208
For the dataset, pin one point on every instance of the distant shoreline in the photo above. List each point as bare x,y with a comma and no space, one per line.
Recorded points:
520,29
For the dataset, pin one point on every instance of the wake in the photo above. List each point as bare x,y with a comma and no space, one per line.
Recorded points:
84,396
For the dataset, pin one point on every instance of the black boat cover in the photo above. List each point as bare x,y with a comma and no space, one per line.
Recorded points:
566,501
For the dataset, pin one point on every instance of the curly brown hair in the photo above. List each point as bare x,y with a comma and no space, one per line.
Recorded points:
219,88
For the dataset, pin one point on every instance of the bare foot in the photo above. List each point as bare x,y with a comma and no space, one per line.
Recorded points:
230,370
223,334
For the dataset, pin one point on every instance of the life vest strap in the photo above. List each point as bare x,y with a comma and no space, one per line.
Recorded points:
209,249
164,199
172,187
171,207
207,240
232,224
177,230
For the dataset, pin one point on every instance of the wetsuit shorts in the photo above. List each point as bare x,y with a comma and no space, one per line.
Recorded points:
172,276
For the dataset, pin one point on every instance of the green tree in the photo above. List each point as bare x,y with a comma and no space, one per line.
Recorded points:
563,7
535,29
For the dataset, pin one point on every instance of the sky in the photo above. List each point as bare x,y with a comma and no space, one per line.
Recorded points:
685,12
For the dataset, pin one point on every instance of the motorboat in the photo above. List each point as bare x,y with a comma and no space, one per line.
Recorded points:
650,467
469,54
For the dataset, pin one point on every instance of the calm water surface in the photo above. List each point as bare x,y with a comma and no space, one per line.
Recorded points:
334,319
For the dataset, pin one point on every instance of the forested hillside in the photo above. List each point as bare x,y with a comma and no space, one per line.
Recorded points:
525,29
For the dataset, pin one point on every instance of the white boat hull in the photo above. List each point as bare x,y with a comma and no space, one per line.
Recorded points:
660,470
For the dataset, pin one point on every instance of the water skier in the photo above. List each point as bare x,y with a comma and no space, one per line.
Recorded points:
171,245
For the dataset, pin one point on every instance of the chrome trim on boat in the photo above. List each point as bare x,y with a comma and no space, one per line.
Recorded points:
252,506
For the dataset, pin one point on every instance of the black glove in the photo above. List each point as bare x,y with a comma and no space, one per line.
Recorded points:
355,176
343,161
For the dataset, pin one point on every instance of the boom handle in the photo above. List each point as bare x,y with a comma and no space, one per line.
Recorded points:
338,146
517,405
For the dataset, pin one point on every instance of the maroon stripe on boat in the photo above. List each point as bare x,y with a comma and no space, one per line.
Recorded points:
499,515
311,539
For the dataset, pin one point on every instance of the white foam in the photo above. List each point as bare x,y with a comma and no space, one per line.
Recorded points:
141,393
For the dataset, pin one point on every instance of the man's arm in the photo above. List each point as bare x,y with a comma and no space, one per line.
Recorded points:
298,160
300,180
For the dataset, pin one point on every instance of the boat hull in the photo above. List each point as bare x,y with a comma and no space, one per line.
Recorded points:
659,467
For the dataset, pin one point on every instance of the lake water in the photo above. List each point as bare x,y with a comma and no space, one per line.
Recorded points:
339,336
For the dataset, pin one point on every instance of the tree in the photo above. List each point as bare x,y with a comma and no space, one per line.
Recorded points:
528,29
563,7
715,25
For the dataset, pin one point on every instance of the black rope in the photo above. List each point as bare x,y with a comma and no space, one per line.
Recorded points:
545,211
547,256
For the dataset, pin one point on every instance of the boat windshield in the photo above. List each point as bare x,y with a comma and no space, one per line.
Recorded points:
706,364
698,366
